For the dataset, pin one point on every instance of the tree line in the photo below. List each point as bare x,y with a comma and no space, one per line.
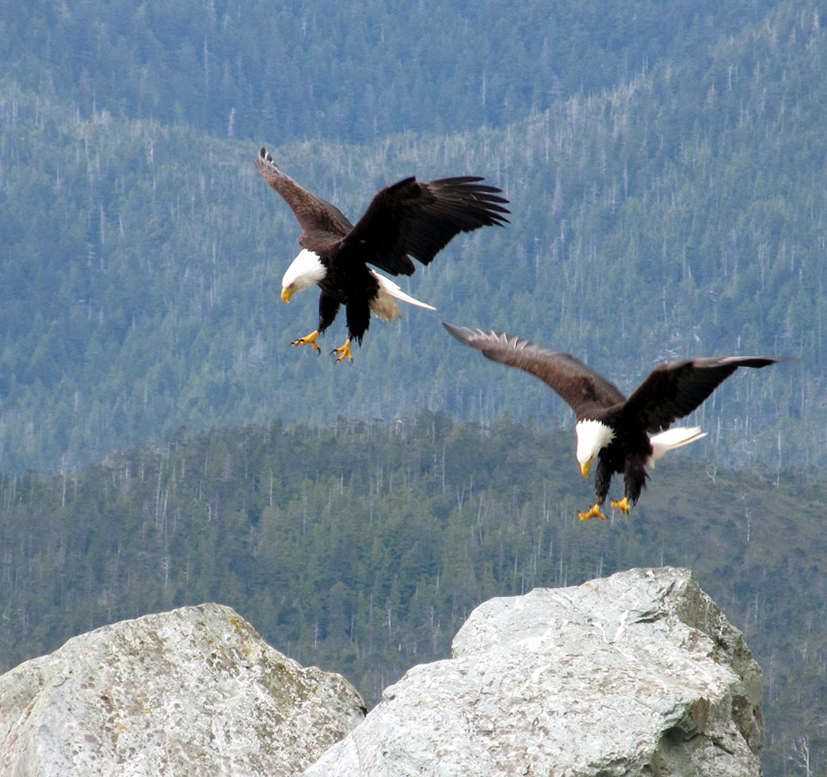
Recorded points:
680,214
350,71
363,546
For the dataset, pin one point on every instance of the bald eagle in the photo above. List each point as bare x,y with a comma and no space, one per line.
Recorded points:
611,429
406,219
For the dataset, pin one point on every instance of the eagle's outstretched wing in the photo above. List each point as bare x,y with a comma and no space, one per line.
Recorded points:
580,386
320,221
674,389
417,219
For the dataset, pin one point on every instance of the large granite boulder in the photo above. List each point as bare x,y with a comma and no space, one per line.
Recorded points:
635,674
193,692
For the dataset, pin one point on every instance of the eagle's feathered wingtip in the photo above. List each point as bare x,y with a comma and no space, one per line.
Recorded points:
481,339
264,161
462,333
454,330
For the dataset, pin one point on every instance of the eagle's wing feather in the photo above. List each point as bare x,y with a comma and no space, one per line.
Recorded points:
320,221
417,219
580,386
674,389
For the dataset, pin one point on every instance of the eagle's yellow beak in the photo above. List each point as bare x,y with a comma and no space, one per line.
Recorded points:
287,292
584,468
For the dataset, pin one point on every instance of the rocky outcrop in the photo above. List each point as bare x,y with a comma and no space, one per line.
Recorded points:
635,674
195,691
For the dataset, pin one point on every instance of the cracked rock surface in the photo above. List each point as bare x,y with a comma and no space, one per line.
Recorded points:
195,691
635,674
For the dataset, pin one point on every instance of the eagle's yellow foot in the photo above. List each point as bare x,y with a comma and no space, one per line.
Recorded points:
593,513
344,352
308,340
623,505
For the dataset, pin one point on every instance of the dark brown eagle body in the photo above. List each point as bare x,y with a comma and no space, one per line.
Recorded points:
404,220
622,435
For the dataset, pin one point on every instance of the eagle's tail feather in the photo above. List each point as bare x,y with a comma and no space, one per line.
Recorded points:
673,438
383,304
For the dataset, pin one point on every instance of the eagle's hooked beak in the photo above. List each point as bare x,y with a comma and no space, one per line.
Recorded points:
287,292
585,468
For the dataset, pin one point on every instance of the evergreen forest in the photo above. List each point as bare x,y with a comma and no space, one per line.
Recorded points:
161,443
362,547
680,212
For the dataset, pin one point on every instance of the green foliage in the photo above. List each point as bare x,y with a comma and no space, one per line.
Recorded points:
348,70
362,547
664,166
679,214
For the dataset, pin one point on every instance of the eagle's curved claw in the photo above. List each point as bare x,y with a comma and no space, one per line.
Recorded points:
308,340
344,352
593,513
623,505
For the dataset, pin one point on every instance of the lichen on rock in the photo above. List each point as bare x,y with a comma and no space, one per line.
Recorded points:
635,674
194,691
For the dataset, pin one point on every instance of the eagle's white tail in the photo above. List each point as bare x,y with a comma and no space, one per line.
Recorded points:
672,438
384,306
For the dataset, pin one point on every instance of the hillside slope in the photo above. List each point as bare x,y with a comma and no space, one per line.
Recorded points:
361,548
344,70
681,214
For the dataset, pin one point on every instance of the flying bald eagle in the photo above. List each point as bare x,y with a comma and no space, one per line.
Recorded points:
406,219
610,428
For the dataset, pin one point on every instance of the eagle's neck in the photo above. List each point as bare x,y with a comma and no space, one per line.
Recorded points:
304,271
592,437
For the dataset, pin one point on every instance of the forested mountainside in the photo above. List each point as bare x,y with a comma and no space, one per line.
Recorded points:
681,213
362,547
665,165
345,70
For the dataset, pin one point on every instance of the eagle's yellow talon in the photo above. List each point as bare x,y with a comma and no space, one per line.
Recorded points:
309,340
344,351
593,513
623,505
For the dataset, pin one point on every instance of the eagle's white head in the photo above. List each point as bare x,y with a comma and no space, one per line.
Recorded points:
304,271
592,437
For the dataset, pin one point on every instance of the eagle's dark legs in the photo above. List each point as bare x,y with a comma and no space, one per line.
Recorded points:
358,321
602,479
634,478
328,308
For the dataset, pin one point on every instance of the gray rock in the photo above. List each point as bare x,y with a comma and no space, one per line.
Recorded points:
195,691
635,674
